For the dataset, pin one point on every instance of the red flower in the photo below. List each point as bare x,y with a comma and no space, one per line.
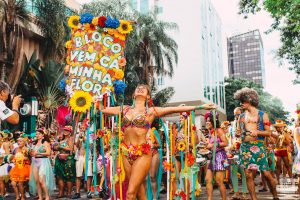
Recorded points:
190,159
194,128
111,72
101,21
145,148
181,194
100,133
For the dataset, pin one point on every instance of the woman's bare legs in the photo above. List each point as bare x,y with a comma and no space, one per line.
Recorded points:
220,183
139,171
37,181
209,187
153,173
14,185
44,187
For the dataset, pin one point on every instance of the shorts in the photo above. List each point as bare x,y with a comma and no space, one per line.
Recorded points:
281,152
80,167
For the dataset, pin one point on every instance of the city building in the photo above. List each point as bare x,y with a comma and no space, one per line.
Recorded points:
246,57
198,77
145,6
33,39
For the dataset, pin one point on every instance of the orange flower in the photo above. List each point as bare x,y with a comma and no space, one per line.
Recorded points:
122,62
119,74
190,159
166,166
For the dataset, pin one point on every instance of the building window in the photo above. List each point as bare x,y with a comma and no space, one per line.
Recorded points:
160,81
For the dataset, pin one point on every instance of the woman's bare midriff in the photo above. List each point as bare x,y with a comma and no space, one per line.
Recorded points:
135,136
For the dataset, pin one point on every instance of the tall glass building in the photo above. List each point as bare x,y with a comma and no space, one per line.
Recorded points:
145,6
246,57
198,77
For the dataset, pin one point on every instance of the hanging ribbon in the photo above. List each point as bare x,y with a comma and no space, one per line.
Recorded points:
159,172
215,140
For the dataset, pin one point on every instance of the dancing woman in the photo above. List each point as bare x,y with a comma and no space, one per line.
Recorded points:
64,167
41,175
136,122
20,173
220,156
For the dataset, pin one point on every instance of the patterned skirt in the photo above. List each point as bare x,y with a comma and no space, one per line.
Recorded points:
65,168
220,158
253,156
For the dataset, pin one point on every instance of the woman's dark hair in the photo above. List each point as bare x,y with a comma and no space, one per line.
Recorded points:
209,116
46,137
248,95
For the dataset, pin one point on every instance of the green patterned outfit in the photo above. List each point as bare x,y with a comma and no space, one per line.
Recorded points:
65,169
253,154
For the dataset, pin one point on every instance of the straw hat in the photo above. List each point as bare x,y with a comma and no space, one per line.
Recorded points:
279,123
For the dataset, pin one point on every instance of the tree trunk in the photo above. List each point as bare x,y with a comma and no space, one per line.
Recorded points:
3,72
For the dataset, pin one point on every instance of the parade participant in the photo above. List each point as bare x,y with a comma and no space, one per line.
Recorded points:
234,151
136,122
216,167
5,151
270,143
155,145
20,173
41,175
281,150
64,167
255,126
296,165
80,157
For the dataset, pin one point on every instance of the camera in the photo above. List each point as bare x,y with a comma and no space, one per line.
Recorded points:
9,101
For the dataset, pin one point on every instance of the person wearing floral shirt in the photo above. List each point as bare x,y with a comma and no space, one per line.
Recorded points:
255,126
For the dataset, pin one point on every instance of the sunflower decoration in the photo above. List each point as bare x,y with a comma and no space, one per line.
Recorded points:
125,27
80,101
181,146
73,21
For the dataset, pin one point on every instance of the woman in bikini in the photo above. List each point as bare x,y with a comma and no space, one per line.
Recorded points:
136,151
41,175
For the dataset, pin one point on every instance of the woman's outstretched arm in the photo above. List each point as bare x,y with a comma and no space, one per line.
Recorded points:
161,111
111,110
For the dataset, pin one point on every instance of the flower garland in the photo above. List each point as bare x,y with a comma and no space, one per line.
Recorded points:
87,21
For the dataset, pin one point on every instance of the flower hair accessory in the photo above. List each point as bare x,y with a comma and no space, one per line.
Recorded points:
209,114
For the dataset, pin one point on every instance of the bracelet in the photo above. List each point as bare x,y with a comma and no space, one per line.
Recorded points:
199,107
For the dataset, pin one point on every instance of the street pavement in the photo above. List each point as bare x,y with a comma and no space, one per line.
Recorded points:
286,192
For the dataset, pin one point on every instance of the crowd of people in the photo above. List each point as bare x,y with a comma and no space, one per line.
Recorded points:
225,153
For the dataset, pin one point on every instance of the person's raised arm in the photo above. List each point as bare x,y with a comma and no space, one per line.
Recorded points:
161,111
111,110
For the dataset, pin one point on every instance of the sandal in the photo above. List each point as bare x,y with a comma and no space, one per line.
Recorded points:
235,197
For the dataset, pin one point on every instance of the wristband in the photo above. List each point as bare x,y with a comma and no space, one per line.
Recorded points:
199,107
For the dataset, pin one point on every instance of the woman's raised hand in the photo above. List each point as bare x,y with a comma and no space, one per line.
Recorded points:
209,106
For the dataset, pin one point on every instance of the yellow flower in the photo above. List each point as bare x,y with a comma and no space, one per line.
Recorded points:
119,74
87,26
80,101
95,21
97,67
91,49
115,33
125,27
73,21
181,146
69,44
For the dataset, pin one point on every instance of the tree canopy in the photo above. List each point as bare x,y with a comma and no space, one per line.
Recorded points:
271,105
286,17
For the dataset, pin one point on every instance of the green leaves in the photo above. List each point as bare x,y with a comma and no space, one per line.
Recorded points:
267,103
286,15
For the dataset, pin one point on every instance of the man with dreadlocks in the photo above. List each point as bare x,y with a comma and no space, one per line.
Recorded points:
255,126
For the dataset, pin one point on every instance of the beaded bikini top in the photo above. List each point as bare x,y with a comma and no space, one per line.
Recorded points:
139,121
